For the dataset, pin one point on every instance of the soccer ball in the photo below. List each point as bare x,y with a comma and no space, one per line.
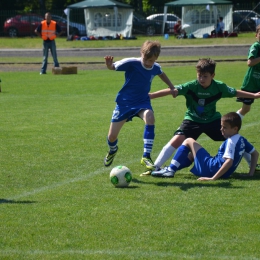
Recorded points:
120,176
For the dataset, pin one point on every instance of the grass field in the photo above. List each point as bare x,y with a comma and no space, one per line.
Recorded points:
56,198
61,42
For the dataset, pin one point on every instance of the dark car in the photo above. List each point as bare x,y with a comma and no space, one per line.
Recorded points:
149,27
75,28
22,25
241,24
249,14
25,25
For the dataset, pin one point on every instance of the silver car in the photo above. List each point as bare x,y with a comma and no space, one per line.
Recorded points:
171,20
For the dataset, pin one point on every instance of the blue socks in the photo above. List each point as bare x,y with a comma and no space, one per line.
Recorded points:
180,159
112,146
148,140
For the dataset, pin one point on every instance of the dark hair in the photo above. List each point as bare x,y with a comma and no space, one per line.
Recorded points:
151,48
206,65
233,119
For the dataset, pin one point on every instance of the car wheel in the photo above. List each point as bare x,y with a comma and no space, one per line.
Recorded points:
12,32
150,30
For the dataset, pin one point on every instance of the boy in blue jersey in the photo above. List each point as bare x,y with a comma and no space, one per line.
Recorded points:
209,168
133,99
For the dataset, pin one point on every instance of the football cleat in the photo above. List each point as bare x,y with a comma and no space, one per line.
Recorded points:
148,163
147,173
109,158
166,172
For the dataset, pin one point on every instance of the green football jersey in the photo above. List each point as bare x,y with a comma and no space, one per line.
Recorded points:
201,102
251,81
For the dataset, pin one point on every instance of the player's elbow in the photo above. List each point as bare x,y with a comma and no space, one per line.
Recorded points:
250,63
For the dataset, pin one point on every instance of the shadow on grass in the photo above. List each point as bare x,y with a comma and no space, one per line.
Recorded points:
5,201
244,176
187,186
223,183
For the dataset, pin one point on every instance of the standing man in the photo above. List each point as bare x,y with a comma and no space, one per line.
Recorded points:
48,30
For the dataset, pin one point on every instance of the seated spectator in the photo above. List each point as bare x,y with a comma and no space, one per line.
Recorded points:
219,29
178,31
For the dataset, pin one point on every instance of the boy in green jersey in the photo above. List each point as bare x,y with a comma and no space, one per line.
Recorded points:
251,81
201,116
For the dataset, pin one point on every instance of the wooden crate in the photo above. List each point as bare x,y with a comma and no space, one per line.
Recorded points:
56,70
64,70
69,70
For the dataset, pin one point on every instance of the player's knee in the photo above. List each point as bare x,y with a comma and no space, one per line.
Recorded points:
149,117
177,140
188,141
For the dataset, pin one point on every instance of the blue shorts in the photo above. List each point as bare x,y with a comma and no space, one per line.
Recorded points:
204,164
121,113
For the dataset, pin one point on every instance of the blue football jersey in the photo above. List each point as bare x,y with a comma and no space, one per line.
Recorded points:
138,81
233,148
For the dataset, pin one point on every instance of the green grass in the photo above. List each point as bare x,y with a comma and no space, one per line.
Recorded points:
36,43
55,195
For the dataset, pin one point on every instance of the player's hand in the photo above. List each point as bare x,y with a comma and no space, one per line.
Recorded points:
174,92
109,61
205,179
257,95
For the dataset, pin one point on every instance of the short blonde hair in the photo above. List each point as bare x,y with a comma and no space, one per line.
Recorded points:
150,49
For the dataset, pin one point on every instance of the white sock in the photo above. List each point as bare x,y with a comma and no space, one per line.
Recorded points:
247,157
241,116
164,155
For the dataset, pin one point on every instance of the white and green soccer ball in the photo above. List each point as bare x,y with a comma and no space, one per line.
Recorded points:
120,176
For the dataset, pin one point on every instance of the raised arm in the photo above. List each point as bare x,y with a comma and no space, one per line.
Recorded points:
109,62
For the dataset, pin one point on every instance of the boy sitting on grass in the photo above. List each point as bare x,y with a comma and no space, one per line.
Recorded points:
201,116
207,167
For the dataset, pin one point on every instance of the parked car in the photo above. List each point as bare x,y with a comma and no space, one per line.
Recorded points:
149,27
22,25
75,28
241,24
249,14
171,20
